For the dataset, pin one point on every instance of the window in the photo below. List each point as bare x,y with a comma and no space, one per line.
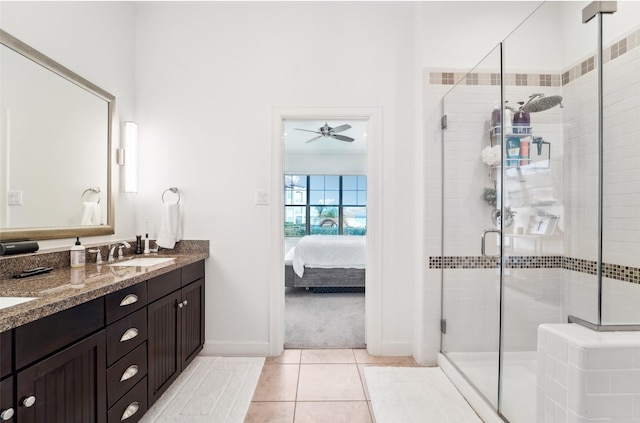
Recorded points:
325,205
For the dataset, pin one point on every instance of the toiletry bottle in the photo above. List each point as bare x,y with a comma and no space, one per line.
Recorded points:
138,244
146,243
524,152
77,254
513,151
508,119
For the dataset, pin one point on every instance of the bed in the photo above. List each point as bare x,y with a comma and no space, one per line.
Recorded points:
326,261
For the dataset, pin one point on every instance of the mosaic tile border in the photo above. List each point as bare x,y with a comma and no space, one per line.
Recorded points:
479,262
612,271
574,72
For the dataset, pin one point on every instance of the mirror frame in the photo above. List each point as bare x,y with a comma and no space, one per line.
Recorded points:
38,58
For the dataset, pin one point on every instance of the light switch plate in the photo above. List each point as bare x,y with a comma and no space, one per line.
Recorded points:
15,198
262,197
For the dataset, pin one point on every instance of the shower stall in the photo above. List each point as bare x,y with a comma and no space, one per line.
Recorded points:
541,201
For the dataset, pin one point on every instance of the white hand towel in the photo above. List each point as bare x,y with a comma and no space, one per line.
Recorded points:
170,228
90,213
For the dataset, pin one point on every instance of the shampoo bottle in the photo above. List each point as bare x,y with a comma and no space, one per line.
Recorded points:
77,254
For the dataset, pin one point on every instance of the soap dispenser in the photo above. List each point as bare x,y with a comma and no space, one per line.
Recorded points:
77,254
138,244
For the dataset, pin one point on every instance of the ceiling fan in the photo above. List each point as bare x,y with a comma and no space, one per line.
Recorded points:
328,132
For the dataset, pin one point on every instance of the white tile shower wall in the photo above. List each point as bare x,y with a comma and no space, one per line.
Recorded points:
580,295
580,166
465,176
619,302
531,297
587,377
621,223
621,240
471,308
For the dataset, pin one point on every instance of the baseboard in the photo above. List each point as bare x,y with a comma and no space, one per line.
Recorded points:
242,349
486,412
392,348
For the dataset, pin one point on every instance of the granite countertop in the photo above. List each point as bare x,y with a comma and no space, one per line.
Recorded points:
66,287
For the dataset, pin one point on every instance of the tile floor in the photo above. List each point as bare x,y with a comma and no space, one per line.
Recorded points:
326,385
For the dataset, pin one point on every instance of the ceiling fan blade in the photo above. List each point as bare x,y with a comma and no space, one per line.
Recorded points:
342,138
314,139
306,130
341,128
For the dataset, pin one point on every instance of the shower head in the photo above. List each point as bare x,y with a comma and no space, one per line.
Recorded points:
540,103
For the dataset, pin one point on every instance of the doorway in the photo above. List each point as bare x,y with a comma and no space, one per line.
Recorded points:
325,207
369,120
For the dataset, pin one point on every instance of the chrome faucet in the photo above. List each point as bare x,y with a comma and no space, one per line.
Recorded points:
119,245
98,254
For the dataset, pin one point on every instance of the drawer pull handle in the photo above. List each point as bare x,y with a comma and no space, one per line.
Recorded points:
180,305
130,410
129,373
29,401
7,414
128,300
184,302
129,334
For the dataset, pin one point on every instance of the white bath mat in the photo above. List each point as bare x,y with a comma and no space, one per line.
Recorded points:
211,389
416,395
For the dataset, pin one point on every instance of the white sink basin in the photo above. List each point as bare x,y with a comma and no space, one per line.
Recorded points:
143,261
11,301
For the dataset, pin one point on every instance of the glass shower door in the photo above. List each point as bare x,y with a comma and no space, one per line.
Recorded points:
532,275
470,281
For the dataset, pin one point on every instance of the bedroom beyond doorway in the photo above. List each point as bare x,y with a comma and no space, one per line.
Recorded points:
325,225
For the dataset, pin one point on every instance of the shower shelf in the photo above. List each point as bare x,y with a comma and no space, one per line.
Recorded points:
532,159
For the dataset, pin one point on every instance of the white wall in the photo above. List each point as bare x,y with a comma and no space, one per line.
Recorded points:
325,163
93,39
209,76
458,34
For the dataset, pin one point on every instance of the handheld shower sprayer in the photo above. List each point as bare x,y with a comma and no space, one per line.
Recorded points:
539,141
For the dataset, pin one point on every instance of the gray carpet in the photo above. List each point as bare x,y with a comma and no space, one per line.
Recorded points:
323,320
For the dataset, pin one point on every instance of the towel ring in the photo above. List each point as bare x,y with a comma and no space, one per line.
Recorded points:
95,190
173,190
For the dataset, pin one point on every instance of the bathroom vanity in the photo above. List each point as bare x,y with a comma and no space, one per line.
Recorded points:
102,347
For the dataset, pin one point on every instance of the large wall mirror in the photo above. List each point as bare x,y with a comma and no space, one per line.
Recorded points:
55,148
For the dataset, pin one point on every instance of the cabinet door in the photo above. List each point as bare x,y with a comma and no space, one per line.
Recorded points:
7,410
192,321
68,387
163,341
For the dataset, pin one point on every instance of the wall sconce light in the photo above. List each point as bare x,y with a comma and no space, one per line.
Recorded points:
129,157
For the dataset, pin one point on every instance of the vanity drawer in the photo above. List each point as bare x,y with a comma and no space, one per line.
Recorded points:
44,336
131,407
126,334
125,301
125,373
162,285
192,272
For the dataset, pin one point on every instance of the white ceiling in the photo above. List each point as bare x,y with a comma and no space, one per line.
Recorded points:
295,141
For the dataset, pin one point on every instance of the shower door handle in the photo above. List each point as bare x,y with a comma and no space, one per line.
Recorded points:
483,243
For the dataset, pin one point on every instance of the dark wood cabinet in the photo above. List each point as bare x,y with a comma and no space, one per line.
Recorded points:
67,387
106,359
176,327
192,321
7,406
164,337
6,353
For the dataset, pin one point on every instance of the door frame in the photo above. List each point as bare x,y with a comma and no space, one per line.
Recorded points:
373,272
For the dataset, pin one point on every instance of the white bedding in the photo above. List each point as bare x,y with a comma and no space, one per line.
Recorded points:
330,251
